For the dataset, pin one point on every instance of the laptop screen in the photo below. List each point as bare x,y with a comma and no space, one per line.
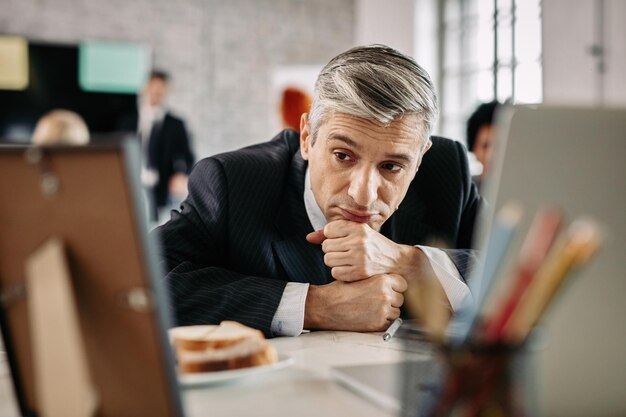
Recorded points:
572,158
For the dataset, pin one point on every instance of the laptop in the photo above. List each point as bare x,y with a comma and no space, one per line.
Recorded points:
574,158
83,311
398,387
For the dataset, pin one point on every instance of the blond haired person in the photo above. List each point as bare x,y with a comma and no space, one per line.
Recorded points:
61,127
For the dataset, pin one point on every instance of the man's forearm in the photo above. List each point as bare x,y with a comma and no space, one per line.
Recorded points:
417,269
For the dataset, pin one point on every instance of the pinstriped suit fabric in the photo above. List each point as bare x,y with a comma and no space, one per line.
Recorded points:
240,234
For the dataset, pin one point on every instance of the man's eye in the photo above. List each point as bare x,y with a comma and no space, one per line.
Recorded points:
342,156
391,167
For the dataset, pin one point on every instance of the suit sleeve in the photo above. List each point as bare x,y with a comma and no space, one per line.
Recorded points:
183,159
194,243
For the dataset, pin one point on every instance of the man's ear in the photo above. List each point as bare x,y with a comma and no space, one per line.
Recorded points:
305,136
427,146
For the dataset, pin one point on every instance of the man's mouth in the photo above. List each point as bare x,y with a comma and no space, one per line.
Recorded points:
357,215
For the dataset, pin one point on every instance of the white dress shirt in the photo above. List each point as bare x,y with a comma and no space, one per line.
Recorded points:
149,116
289,317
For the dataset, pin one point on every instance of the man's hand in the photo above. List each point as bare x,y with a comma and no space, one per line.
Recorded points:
355,251
178,185
365,306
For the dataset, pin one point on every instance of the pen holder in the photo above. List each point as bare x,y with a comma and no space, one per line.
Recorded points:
472,380
483,380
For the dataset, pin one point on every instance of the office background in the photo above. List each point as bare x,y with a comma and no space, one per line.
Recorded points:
225,56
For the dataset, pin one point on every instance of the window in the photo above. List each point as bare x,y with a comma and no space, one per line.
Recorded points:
489,49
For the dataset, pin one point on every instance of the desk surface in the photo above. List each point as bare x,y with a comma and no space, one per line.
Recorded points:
306,388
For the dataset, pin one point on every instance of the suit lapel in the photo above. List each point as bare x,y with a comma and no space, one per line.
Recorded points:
301,260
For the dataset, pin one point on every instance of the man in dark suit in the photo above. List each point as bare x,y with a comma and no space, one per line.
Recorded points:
327,228
167,153
480,137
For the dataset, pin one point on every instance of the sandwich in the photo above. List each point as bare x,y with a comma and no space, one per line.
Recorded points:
229,345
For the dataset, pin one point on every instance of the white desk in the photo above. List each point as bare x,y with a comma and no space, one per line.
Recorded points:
306,388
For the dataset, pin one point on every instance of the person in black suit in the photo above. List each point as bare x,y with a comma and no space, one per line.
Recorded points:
480,136
325,229
168,157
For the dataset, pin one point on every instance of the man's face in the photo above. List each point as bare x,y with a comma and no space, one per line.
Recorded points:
483,146
155,91
361,170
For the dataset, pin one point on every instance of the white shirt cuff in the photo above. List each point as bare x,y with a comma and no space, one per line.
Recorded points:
456,290
289,317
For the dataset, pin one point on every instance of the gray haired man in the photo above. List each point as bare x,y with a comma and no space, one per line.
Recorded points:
326,229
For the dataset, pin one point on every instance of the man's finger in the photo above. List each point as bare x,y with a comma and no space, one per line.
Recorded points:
340,228
397,299
316,237
334,259
341,244
394,313
398,283
345,273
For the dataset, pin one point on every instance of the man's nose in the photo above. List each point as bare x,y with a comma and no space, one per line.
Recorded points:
364,185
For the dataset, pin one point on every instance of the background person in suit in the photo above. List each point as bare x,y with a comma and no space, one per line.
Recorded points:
319,229
480,136
168,157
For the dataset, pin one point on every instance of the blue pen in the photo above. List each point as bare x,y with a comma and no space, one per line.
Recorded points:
500,238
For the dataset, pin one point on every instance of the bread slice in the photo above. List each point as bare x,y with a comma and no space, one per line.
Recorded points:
230,345
214,336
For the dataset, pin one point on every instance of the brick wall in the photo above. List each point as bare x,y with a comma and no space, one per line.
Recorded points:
220,53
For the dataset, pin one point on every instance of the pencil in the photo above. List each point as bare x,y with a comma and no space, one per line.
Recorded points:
500,238
582,240
537,243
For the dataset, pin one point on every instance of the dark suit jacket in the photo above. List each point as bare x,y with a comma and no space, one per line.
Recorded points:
240,235
169,151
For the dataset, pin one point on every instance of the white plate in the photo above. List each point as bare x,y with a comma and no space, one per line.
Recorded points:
217,377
